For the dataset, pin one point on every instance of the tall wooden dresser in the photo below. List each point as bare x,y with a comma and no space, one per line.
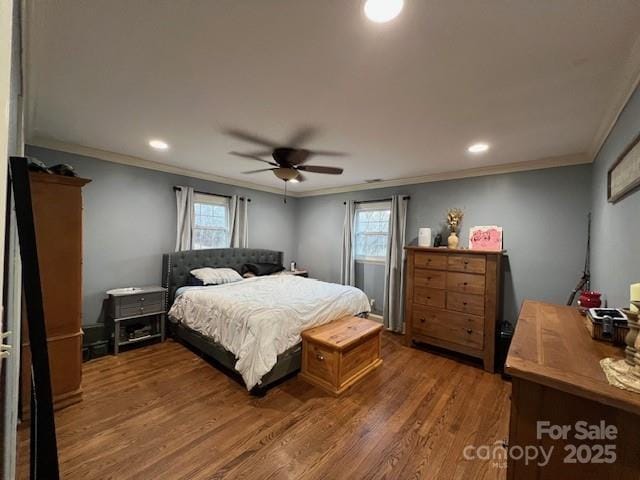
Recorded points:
57,211
453,300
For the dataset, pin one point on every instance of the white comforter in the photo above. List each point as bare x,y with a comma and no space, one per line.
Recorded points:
259,318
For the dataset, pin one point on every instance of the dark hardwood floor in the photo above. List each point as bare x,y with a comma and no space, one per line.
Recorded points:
162,412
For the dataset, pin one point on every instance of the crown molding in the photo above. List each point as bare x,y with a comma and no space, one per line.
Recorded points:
144,163
543,163
626,85
549,162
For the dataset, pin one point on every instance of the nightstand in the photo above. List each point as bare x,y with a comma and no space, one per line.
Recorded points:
137,314
297,273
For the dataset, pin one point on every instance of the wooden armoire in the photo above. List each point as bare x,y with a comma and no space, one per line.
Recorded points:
57,211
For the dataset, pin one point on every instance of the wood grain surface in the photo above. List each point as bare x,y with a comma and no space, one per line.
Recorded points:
162,412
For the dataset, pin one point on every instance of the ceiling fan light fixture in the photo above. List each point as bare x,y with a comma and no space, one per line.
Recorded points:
382,11
286,174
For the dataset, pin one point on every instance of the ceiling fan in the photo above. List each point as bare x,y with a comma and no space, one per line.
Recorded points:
289,160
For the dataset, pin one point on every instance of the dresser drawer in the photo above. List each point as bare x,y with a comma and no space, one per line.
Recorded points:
467,263
437,261
430,278
467,330
465,283
141,309
465,303
321,362
429,297
139,304
141,299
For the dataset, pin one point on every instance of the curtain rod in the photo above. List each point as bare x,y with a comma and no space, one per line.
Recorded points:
405,197
176,188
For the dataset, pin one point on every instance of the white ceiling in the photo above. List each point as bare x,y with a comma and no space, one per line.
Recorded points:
535,79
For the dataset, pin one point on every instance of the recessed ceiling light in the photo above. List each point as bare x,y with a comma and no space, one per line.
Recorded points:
158,144
478,148
381,11
294,180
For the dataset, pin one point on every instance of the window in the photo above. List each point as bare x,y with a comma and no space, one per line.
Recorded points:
210,221
372,231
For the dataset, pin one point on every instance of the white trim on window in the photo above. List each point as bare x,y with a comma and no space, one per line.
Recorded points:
363,207
217,200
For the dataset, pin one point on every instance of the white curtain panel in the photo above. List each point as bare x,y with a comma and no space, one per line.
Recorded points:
347,262
239,225
184,203
393,312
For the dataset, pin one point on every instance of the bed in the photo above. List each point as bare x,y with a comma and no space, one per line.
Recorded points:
251,327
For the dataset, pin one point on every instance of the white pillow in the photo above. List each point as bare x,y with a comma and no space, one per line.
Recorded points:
216,276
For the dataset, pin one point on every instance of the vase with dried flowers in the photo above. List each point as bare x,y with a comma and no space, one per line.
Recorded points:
454,219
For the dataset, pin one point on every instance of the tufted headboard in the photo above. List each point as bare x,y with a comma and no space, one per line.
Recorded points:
176,266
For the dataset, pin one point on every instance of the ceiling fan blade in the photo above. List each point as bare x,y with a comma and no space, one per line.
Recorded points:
302,136
327,153
250,137
253,157
320,169
261,170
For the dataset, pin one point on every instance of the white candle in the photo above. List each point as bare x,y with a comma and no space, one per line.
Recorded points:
635,296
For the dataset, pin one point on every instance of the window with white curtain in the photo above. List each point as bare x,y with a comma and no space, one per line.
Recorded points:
210,221
372,231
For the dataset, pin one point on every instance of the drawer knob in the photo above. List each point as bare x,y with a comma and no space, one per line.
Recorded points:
422,320
319,356
464,303
469,330
142,299
465,284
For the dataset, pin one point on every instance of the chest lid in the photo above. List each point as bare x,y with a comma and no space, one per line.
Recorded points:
341,334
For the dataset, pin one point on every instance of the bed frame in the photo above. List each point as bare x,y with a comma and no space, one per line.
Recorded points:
176,268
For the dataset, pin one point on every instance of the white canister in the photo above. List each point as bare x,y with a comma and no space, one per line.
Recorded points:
424,237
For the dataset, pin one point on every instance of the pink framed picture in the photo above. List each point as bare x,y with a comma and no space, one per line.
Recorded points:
485,238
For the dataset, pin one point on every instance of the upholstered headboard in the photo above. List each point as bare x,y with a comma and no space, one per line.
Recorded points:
177,266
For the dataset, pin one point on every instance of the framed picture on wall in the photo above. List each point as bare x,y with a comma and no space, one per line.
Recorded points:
485,238
624,175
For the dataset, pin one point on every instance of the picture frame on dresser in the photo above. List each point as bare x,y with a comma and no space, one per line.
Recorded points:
453,300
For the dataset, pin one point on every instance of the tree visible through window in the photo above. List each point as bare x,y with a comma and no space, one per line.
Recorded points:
372,231
210,222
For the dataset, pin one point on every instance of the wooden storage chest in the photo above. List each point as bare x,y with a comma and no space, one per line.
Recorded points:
337,355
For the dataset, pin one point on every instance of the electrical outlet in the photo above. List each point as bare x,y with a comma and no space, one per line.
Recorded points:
372,301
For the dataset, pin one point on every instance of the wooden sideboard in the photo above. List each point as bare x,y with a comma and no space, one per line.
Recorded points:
557,378
57,212
453,300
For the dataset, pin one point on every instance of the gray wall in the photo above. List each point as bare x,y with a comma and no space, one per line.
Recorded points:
616,227
543,213
130,220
